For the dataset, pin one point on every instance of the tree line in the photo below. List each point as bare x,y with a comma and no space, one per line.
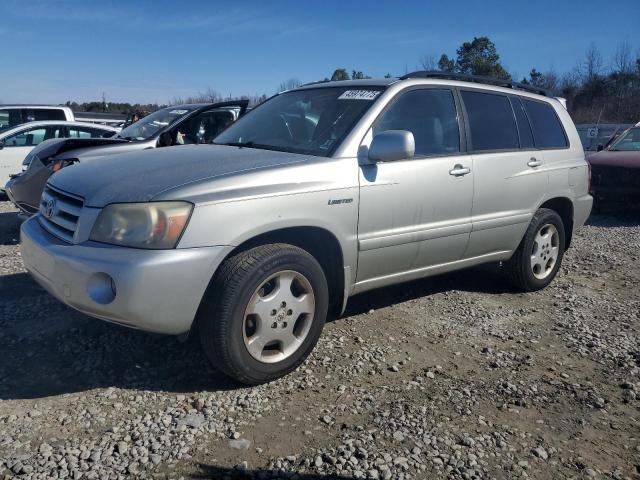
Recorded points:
595,90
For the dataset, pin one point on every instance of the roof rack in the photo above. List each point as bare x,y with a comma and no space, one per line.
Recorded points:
499,82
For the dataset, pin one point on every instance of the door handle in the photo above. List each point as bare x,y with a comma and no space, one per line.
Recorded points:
459,171
534,162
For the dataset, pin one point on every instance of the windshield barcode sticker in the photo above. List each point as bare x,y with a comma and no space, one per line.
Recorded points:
359,95
178,112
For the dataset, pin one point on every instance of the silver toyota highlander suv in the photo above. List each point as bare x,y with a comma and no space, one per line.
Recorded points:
318,194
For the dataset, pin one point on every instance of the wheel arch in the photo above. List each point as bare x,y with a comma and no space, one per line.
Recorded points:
322,244
563,206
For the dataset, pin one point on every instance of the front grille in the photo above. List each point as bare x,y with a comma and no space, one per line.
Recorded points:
621,178
59,213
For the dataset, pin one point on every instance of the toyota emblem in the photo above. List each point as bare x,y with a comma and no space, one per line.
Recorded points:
49,208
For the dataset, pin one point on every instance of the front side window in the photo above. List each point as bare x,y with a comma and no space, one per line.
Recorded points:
547,129
311,121
204,127
151,124
627,142
33,137
430,114
491,121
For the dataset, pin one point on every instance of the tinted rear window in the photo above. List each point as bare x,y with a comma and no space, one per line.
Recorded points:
524,127
45,114
491,120
547,129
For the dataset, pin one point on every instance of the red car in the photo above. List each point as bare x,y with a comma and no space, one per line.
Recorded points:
615,171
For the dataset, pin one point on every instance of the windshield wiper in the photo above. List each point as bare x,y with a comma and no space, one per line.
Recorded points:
237,144
251,144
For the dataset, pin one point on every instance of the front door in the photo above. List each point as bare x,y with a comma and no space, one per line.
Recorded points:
415,213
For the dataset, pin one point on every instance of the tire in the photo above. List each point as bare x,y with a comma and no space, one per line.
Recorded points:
256,281
520,269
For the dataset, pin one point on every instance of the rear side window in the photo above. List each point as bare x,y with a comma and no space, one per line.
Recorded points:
431,116
46,114
547,129
83,132
524,127
491,121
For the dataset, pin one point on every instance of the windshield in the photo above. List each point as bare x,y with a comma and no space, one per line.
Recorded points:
627,142
151,124
312,121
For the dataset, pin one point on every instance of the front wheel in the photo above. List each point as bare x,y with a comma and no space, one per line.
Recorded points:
539,256
263,312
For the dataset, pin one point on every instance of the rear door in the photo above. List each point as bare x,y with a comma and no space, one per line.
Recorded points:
509,180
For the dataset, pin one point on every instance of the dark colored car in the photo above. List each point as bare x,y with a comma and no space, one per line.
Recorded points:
177,125
615,172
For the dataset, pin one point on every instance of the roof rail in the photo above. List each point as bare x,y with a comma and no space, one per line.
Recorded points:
499,82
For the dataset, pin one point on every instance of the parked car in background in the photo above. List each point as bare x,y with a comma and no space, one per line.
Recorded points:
178,125
17,142
615,172
13,115
319,193
595,136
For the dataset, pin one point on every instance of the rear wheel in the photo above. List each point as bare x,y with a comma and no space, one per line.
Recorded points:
264,312
539,255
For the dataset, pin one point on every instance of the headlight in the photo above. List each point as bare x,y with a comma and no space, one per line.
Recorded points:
155,225
28,160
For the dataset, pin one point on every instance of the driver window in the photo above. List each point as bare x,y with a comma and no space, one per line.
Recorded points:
203,128
430,114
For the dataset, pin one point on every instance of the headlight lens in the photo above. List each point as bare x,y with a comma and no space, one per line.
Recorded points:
155,225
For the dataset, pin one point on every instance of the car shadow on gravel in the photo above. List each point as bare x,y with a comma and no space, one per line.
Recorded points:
614,219
49,349
215,472
9,228
487,279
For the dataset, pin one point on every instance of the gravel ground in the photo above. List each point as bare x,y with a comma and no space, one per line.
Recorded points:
454,376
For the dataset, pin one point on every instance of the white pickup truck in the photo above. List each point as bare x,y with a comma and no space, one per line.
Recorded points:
14,115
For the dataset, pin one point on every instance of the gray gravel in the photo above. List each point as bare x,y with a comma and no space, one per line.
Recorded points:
456,376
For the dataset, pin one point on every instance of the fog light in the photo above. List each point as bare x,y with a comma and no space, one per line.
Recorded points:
101,288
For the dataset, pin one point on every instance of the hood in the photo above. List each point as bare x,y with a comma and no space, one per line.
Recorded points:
611,158
57,146
142,176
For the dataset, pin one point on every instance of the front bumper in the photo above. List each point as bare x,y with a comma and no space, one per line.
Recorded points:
154,290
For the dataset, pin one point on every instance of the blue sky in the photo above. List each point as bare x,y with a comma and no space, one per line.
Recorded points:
154,51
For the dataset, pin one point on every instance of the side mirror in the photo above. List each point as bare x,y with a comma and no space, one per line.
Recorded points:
600,147
392,145
165,139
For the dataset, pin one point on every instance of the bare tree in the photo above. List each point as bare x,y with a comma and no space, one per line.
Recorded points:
289,84
592,65
623,61
428,62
